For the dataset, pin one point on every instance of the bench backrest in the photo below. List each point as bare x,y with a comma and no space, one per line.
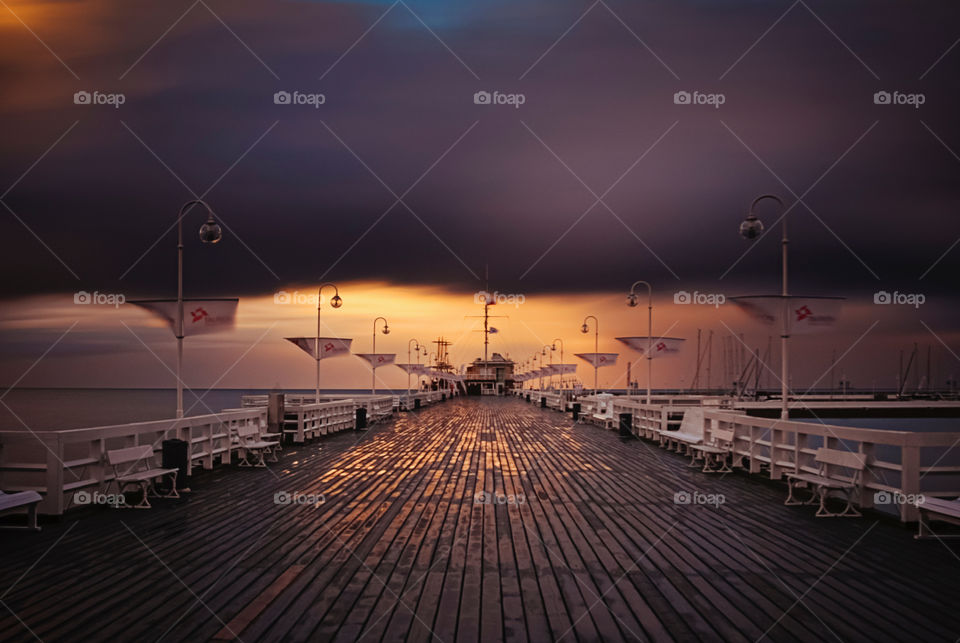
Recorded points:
722,435
248,431
848,459
130,454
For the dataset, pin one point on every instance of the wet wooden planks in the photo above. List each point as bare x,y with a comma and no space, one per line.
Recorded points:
475,520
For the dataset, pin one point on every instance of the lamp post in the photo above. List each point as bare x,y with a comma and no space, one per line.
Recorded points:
385,331
553,347
632,302
596,345
543,351
750,229
210,233
335,302
419,347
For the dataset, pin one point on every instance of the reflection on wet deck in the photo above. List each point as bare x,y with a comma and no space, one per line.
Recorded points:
481,519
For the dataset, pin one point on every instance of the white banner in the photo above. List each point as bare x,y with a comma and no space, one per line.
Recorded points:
805,314
565,369
412,369
200,316
329,346
659,346
378,359
599,359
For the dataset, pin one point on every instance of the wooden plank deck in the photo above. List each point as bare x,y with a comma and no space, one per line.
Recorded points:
475,520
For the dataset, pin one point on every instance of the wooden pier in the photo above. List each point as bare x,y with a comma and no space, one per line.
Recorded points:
480,519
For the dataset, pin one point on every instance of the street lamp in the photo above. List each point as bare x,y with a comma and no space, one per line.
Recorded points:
543,352
596,346
210,233
632,302
417,350
553,347
750,229
335,302
385,331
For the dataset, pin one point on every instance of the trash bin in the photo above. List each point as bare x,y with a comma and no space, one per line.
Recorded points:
543,402
576,411
361,419
175,455
626,425
416,403
443,397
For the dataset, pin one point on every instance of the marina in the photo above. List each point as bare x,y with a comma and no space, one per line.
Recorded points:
478,519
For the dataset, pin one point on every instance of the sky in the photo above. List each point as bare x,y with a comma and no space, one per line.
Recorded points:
389,174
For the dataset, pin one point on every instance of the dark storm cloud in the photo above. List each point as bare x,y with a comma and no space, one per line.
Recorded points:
316,194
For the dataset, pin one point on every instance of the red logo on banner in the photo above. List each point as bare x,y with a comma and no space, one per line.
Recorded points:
803,312
328,347
199,314
603,358
661,346
379,358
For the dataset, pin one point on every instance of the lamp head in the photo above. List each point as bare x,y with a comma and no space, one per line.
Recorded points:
584,329
386,329
751,228
210,231
336,301
632,300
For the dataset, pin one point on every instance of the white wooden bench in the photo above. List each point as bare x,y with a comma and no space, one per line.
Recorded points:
250,442
938,509
824,484
689,433
714,453
134,467
28,499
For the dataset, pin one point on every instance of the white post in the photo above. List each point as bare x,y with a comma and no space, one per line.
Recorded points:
179,328
784,351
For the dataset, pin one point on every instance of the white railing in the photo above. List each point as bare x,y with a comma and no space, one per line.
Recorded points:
408,402
57,463
909,463
304,421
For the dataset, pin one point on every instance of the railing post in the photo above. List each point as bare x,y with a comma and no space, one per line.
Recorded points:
867,450
53,502
909,480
